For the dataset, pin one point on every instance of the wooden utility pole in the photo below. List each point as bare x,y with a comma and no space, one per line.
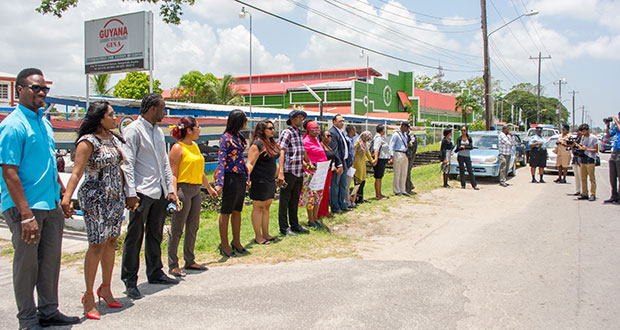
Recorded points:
574,92
486,75
559,83
539,58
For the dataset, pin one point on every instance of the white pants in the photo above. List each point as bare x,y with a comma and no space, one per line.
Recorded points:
577,171
400,172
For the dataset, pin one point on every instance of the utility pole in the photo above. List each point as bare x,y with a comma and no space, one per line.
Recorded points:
583,109
573,92
486,76
560,82
539,58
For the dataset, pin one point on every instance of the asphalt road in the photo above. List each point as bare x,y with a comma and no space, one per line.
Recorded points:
523,257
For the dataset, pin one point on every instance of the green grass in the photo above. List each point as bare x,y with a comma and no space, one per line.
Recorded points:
429,147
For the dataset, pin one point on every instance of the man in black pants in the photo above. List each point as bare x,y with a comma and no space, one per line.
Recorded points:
148,189
293,159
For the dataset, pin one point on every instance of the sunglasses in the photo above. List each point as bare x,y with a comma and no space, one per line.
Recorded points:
269,128
328,136
37,88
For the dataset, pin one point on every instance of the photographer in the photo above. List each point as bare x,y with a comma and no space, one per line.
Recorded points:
614,160
577,162
589,144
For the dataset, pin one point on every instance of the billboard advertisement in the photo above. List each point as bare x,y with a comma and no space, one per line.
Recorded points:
119,44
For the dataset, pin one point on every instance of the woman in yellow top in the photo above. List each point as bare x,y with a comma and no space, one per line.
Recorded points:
362,153
187,165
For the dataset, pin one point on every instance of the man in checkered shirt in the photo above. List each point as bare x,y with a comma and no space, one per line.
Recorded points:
291,174
505,147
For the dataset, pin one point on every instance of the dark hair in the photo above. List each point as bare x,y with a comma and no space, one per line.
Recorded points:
148,101
179,132
236,121
380,128
584,127
271,147
336,116
323,135
350,128
466,131
447,131
305,123
566,127
25,73
92,120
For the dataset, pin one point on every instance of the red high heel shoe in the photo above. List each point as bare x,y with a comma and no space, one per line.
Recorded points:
92,315
114,304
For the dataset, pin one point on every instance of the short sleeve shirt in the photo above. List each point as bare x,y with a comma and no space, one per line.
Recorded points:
27,141
292,144
380,144
230,157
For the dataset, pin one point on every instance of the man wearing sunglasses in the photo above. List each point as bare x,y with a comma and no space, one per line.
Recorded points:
31,191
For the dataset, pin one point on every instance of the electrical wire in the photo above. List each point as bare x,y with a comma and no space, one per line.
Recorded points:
399,23
477,23
349,42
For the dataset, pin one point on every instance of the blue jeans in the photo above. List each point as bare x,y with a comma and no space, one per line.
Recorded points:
337,192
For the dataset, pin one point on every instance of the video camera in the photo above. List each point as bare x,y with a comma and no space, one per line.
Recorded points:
608,120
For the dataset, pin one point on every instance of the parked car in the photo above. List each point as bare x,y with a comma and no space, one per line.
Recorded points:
485,156
606,144
552,157
521,150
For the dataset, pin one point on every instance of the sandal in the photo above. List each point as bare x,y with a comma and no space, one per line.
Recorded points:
197,266
265,242
177,272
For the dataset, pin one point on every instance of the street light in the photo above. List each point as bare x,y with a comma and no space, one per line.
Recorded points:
486,76
242,15
362,54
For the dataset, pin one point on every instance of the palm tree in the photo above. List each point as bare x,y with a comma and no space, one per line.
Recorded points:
223,93
100,84
468,104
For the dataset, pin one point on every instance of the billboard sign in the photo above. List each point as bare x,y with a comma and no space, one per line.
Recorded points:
119,43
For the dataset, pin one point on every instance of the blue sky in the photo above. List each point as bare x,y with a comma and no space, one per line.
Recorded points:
581,36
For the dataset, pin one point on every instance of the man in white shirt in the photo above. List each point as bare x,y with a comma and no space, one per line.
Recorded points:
148,190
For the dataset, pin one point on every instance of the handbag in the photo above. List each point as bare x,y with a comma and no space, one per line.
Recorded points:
597,162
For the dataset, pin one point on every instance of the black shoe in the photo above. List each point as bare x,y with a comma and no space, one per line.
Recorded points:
346,210
609,201
563,181
58,319
558,180
541,180
617,202
32,327
290,232
592,198
134,293
164,279
446,185
301,230
405,194
575,194
234,248
224,254
476,188
582,197
314,225
534,180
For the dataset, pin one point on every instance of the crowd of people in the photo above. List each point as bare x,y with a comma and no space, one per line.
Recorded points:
135,172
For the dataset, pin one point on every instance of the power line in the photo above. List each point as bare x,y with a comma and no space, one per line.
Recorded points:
399,23
348,42
379,38
434,17
415,19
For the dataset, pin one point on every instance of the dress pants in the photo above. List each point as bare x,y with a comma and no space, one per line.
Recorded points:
466,162
337,192
289,198
587,170
577,172
614,173
409,184
146,222
36,264
504,160
400,172
188,218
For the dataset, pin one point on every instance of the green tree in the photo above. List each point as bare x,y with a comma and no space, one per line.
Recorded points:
224,93
526,101
468,105
169,10
100,84
196,87
135,85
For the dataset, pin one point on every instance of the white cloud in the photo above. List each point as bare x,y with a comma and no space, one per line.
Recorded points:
227,11
603,12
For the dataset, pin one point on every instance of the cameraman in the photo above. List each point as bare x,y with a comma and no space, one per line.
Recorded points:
589,144
563,153
577,162
614,160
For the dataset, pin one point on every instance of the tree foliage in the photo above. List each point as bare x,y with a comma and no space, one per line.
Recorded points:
100,83
170,10
135,85
206,88
224,92
468,104
526,101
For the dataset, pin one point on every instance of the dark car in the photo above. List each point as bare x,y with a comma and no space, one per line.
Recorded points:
606,144
209,152
521,157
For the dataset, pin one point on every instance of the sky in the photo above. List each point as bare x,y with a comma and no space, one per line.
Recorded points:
581,36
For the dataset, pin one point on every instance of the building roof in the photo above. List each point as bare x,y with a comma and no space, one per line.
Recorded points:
435,100
271,88
322,74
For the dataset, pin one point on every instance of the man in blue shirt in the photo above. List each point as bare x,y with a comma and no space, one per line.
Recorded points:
614,162
398,149
31,191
